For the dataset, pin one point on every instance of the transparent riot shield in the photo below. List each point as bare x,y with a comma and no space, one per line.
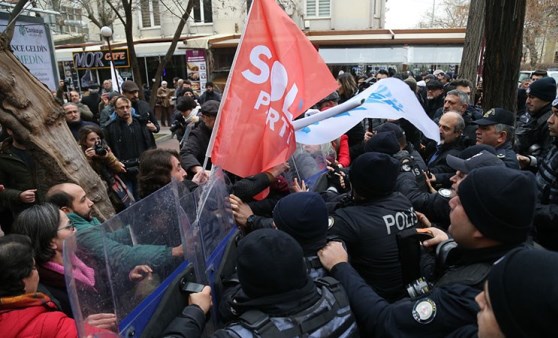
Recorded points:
309,162
90,298
135,256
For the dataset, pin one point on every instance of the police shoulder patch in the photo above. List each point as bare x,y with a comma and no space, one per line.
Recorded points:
424,310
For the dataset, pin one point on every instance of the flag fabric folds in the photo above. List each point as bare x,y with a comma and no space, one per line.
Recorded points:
115,76
276,76
387,99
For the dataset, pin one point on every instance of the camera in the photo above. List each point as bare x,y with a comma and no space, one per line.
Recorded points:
418,288
100,150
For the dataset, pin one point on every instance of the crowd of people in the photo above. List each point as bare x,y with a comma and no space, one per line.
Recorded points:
380,233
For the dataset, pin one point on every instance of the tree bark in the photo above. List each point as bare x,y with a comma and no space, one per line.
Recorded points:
504,34
128,30
29,109
473,40
170,52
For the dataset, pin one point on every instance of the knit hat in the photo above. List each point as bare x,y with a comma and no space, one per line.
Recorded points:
210,108
385,143
482,159
374,174
130,86
522,288
500,202
270,262
304,216
390,126
544,89
434,84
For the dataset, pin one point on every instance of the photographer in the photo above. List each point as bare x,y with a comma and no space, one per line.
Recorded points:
103,161
128,137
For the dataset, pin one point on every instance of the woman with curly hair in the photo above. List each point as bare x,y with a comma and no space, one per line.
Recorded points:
158,167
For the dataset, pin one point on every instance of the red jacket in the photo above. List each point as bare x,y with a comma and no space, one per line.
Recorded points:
32,316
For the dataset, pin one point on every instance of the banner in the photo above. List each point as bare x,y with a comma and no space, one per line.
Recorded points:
387,99
276,76
197,68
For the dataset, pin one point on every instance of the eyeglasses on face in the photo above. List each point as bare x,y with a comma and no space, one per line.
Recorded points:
70,226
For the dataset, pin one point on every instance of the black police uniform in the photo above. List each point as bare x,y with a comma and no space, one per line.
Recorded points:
447,308
369,230
507,155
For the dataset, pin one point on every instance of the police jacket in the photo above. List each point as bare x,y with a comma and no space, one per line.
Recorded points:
435,206
507,155
319,310
534,132
546,211
369,230
448,307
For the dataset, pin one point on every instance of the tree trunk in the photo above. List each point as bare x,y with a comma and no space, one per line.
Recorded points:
170,53
128,30
473,40
504,33
29,109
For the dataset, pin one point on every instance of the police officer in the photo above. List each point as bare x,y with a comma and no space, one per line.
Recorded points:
275,289
490,216
496,129
368,224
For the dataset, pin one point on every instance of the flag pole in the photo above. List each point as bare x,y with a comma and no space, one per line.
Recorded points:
343,107
226,92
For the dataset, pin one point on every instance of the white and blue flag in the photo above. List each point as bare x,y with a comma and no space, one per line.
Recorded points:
387,99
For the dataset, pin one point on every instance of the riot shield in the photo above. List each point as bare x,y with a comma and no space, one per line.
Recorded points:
140,253
309,162
87,299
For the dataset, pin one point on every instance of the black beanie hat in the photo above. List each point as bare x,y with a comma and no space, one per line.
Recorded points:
523,292
374,174
210,108
270,262
500,202
385,143
544,89
303,215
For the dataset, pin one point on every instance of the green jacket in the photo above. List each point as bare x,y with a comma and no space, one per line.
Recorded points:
120,250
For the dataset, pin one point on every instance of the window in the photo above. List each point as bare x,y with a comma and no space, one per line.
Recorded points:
203,11
150,15
318,8
71,21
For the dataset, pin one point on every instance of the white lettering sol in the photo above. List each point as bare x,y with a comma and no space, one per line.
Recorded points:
279,80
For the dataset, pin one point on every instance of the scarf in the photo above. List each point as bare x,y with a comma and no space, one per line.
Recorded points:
80,272
26,300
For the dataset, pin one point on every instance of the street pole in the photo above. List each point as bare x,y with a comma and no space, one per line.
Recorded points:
106,32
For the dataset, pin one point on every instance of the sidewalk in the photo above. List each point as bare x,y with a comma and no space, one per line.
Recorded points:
163,135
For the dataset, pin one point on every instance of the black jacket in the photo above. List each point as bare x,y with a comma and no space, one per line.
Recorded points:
193,151
534,131
143,109
369,230
126,147
453,299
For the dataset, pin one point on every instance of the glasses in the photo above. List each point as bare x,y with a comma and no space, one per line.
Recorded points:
70,226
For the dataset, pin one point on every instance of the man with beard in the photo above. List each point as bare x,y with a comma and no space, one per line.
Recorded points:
73,201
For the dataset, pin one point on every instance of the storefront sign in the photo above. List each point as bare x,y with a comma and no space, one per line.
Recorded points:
32,46
101,59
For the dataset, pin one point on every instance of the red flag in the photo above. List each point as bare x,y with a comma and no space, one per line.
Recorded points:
276,76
